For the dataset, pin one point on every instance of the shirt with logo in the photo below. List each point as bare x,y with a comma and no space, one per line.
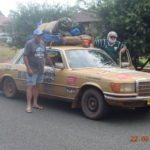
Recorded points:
36,53
111,50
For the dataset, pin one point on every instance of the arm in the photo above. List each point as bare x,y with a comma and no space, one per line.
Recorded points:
98,43
122,50
25,57
26,61
49,61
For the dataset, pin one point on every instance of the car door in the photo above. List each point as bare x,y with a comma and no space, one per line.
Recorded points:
58,86
125,60
19,73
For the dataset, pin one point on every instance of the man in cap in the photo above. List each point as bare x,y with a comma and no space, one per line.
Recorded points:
111,45
34,58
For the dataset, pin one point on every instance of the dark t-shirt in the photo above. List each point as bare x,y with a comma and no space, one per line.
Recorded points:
35,53
112,50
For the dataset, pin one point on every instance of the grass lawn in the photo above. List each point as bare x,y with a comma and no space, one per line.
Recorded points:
6,52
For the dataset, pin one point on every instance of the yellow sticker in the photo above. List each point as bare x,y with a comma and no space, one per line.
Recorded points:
148,101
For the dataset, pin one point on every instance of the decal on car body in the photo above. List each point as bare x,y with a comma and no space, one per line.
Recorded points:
71,90
71,80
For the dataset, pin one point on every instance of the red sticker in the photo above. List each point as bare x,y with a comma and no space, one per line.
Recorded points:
71,80
123,76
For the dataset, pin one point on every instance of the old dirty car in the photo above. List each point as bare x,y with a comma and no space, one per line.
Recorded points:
86,77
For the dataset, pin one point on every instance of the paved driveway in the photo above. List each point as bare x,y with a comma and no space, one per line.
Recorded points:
58,127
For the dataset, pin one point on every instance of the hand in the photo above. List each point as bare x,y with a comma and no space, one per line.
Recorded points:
91,45
29,71
123,50
49,61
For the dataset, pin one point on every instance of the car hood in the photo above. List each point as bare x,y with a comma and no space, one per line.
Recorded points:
114,74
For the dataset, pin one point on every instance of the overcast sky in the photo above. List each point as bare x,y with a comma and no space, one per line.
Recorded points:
7,5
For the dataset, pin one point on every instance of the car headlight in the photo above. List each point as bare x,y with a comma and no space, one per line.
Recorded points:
123,87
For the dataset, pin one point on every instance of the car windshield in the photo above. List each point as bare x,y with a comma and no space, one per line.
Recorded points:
82,58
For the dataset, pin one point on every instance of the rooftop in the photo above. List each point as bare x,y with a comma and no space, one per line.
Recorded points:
3,20
85,16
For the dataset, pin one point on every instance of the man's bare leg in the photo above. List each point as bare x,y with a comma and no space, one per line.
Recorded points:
29,98
35,98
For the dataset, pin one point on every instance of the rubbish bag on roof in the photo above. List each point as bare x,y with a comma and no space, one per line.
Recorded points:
49,27
57,26
75,32
65,24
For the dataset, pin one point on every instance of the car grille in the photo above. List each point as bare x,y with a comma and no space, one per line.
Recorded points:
144,88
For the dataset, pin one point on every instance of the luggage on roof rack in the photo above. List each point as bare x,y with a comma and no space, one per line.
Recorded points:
62,32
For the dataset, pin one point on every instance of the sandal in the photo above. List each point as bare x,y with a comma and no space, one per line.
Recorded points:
37,107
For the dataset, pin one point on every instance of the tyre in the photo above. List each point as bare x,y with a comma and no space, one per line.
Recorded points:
93,104
9,88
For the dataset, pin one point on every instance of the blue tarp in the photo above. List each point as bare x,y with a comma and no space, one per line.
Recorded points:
47,37
75,32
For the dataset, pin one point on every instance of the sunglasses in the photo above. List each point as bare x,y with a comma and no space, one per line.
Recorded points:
113,37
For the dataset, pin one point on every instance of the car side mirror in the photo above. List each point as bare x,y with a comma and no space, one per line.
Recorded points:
59,65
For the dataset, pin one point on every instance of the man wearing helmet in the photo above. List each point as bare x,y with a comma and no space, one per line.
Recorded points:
111,45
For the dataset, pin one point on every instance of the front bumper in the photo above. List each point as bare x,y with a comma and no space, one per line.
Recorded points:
127,100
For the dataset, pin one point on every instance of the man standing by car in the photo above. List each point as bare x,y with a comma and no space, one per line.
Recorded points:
111,45
34,58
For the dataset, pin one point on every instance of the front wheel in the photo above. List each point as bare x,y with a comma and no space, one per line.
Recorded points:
93,104
9,88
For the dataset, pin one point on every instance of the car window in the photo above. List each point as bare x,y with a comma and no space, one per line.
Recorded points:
20,60
17,56
55,56
82,58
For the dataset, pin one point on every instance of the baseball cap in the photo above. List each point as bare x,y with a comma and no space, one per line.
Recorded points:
37,32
